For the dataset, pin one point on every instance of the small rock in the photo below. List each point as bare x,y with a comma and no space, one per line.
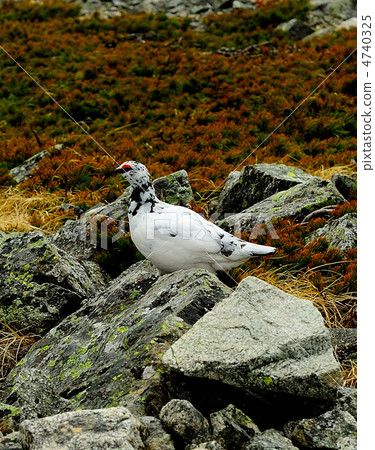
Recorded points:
347,400
185,421
340,233
344,342
270,439
86,429
157,438
174,188
347,186
295,28
232,428
347,24
326,431
11,441
24,171
212,445
319,33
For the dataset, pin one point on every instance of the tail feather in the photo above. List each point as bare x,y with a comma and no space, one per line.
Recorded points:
260,250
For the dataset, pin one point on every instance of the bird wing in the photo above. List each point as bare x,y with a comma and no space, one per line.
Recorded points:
183,226
186,228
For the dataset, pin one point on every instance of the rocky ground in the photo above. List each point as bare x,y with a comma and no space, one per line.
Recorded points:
324,16
180,361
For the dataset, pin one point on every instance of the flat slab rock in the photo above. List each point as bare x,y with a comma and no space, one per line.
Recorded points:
295,203
262,340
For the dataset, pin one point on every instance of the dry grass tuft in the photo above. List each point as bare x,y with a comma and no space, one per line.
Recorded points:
337,309
13,346
326,172
22,211
349,372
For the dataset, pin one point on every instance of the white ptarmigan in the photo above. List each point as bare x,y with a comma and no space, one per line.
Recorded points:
173,237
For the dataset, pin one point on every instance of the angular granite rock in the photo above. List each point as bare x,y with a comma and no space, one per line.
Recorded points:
331,12
185,421
24,171
11,441
98,429
328,431
174,188
211,445
340,233
39,283
270,439
255,183
97,357
296,29
347,186
157,438
295,204
264,341
232,428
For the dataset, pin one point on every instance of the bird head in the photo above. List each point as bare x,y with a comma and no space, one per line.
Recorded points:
134,172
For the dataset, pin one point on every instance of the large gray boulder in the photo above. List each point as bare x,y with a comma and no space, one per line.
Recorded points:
263,341
295,203
255,183
108,352
100,429
340,233
40,284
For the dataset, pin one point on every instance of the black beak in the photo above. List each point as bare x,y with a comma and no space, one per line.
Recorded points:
119,169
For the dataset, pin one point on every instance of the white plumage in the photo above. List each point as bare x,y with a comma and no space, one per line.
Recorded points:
173,237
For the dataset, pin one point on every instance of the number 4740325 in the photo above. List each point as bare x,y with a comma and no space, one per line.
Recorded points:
366,40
